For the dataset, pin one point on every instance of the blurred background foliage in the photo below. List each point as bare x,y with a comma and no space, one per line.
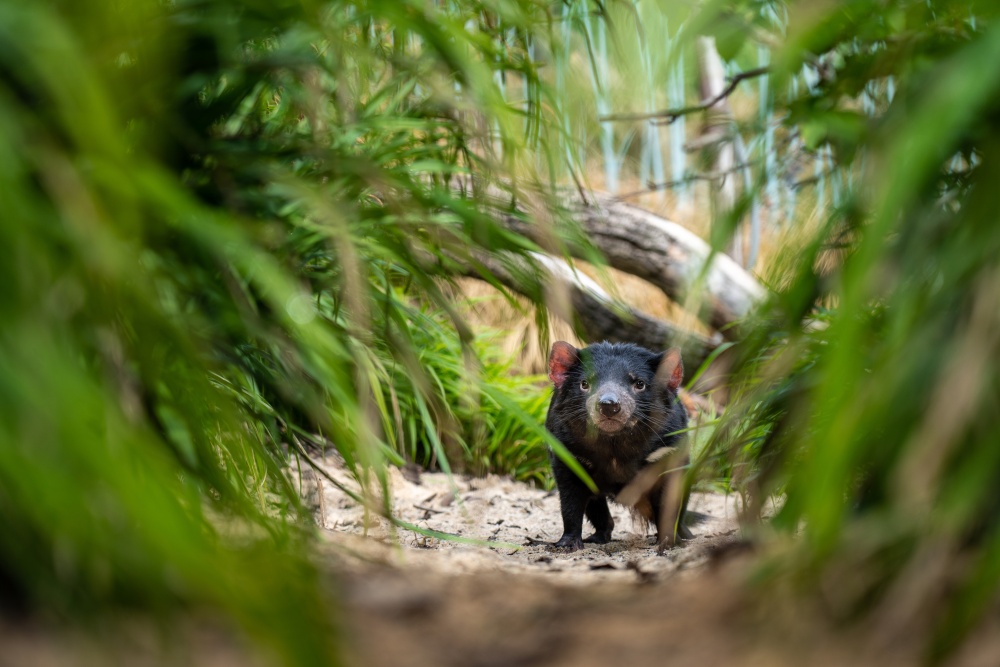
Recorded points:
229,229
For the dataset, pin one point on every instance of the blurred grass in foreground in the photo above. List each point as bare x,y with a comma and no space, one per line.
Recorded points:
224,229
876,416
222,222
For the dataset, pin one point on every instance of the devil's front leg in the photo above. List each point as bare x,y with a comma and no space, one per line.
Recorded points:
573,499
600,517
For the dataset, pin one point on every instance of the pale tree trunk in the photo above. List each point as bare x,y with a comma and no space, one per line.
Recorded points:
715,136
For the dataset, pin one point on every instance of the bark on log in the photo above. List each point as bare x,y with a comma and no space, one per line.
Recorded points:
581,301
665,254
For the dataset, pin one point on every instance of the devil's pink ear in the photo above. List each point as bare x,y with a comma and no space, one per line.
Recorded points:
671,371
562,358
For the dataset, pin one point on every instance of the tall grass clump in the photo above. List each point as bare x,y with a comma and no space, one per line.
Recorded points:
225,226
867,396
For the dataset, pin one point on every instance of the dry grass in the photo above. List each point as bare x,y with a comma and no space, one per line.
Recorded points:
513,324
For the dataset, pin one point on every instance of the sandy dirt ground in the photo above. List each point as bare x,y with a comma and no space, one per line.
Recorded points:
509,599
510,526
504,598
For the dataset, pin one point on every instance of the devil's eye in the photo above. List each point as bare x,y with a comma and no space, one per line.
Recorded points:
638,385
584,385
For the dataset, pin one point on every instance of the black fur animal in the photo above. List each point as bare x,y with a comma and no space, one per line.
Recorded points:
615,408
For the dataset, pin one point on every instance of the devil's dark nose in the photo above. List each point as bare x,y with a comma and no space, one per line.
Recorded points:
609,405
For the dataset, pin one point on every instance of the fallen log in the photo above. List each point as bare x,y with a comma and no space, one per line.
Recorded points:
664,254
579,300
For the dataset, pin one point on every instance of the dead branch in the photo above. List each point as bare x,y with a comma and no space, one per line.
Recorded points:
667,116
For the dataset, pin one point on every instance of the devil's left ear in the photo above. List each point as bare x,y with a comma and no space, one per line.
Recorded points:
669,369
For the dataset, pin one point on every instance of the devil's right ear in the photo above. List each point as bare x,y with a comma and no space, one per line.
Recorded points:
562,359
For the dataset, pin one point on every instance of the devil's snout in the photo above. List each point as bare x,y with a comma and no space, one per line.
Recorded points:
609,405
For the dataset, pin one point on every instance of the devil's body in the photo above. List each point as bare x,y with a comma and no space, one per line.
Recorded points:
614,408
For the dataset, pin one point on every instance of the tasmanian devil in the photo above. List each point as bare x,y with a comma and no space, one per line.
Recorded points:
615,408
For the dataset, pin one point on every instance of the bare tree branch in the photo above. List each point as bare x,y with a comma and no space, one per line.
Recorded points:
668,116
690,178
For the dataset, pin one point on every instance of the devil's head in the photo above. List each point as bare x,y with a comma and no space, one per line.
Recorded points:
619,385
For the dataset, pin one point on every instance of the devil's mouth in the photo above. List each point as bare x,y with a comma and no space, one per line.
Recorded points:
609,424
